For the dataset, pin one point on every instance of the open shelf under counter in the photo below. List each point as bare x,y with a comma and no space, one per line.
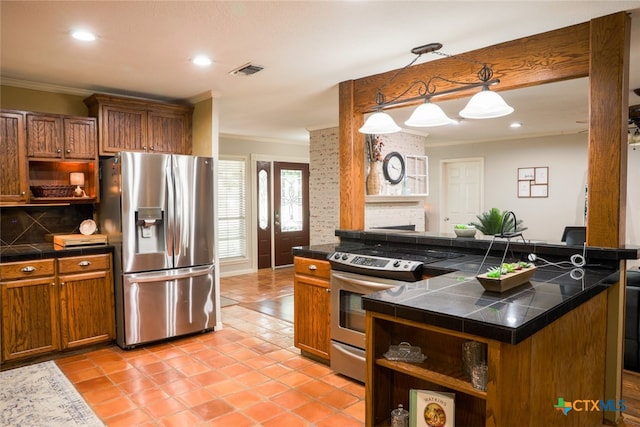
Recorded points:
454,380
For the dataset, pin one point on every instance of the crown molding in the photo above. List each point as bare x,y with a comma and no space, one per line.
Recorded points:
25,84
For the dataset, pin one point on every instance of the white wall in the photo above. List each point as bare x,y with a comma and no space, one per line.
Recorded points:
633,201
545,218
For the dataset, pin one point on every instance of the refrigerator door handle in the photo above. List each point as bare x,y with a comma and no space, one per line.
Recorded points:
148,278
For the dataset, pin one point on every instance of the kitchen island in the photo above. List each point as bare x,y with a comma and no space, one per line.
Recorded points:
545,340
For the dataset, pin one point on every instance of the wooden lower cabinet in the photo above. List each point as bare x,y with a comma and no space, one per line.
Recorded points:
29,309
51,305
312,313
86,300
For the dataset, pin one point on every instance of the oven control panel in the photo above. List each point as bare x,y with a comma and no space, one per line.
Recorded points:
376,266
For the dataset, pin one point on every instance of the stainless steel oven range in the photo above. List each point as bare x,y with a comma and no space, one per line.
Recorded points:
352,276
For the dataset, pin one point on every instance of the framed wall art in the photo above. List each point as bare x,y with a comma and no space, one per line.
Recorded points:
533,182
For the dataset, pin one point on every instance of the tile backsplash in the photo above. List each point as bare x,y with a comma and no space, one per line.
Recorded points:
35,224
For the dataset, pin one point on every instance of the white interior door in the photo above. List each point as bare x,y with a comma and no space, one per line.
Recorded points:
462,191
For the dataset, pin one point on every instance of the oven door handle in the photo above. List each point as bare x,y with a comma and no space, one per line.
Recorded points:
367,283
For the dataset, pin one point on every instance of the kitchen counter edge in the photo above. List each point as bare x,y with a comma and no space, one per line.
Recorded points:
47,251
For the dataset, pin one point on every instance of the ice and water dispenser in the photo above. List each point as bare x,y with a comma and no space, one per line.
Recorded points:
150,230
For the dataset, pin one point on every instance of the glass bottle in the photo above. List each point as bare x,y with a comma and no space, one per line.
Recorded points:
400,417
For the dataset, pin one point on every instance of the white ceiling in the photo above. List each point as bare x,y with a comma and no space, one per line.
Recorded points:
306,48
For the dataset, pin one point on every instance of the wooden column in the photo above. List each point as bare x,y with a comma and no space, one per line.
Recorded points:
607,179
351,153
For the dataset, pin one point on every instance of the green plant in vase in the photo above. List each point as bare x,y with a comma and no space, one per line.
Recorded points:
490,222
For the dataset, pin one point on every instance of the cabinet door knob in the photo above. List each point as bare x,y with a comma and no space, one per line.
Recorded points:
58,150
53,283
84,263
62,284
68,150
28,269
152,148
23,193
313,267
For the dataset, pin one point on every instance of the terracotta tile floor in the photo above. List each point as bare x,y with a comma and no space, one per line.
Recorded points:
247,374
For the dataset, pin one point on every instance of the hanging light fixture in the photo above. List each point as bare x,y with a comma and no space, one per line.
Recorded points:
483,105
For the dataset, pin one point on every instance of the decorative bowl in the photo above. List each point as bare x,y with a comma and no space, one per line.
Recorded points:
468,231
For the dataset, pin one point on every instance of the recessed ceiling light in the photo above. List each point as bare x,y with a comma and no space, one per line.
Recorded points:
201,60
83,35
515,125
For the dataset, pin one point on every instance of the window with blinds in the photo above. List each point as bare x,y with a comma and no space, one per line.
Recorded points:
232,221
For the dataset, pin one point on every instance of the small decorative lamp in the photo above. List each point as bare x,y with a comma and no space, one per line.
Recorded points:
77,179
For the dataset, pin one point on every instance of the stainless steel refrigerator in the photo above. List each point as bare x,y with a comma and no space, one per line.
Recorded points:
157,210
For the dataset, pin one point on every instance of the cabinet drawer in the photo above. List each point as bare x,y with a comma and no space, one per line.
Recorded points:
78,264
26,269
312,267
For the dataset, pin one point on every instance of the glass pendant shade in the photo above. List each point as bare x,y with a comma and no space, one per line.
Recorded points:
379,123
486,105
428,115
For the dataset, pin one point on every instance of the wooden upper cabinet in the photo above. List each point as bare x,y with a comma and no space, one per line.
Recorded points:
80,138
131,124
167,132
13,158
61,137
121,129
44,136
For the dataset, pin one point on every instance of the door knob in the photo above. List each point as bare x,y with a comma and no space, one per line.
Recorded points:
446,218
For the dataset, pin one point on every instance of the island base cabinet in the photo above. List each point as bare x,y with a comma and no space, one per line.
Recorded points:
525,380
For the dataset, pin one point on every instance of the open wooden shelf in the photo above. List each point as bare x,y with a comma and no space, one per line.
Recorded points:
454,380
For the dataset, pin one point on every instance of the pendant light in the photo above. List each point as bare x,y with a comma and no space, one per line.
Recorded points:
428,115
379,123
483,105
486,105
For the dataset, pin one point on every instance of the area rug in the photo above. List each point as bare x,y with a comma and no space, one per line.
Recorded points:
40,395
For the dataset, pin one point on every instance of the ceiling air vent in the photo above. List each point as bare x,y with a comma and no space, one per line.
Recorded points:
246,70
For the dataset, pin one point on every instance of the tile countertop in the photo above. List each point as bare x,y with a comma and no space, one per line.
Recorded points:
457,301
48,250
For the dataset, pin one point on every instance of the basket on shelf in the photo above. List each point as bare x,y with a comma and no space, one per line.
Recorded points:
52,190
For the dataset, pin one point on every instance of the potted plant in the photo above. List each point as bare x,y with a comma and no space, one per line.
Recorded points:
490,222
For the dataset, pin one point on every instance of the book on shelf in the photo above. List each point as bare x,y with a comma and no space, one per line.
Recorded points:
429,408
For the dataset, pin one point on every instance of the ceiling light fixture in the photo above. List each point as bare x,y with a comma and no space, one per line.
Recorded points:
483,105
83,35
201,60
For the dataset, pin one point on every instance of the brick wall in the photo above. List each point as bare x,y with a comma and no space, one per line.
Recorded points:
324,186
